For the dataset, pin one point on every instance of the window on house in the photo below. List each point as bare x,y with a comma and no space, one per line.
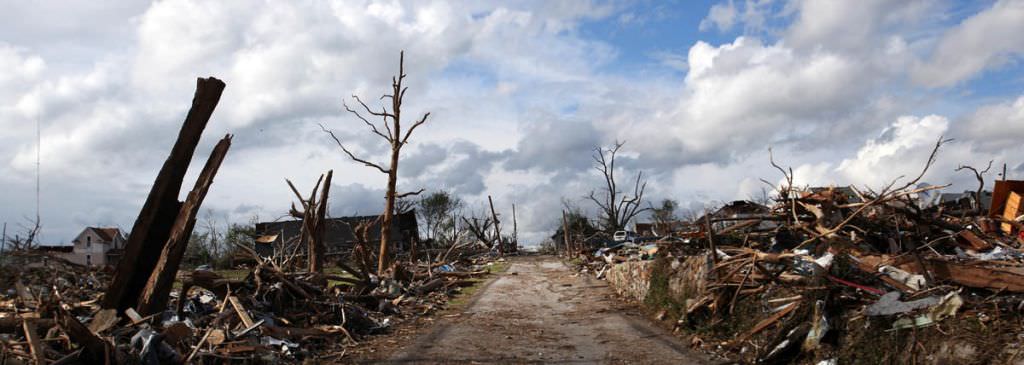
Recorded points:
88,260
88,241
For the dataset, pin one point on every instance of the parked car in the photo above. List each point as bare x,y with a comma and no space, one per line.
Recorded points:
624,236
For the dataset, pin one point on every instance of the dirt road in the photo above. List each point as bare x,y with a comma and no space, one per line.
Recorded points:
537,312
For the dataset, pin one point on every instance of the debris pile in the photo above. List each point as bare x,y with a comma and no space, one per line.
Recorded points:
841,274
294,305
50,311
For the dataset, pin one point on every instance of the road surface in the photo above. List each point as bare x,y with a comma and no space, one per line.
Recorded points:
538,312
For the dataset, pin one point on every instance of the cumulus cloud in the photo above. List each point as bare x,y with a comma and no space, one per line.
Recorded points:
721,16
520,93
751,14
988,39
901,149
761,90
998,126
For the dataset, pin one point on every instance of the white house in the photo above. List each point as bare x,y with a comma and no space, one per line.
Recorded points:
97,246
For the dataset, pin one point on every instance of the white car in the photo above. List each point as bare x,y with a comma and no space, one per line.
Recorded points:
623,236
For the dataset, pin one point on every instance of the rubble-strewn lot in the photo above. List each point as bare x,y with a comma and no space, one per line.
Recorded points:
286,308
837,276
50,312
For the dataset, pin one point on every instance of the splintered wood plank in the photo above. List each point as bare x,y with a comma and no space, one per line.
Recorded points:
154,223
240,309
94,349
1012,210
767,322
38,353
968,239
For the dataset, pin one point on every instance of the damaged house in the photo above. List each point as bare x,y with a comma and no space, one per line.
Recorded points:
340,233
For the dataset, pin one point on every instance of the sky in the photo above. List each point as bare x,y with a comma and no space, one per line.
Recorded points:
520,93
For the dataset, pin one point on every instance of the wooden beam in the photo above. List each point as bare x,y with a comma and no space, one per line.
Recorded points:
38,353
94,349
161,279
154,222
240,309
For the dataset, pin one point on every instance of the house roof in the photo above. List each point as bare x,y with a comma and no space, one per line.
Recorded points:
61,248
340,230
107,234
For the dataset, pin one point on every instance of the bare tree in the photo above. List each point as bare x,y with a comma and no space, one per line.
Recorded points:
617,208
26,241
392,133
980,175
481,226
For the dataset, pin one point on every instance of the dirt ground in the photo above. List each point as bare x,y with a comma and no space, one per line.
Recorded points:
537,312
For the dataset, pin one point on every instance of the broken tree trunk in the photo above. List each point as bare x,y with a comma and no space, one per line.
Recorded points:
316,243
155,220
497,230
158,287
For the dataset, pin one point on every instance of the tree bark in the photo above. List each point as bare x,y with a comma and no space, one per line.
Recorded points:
316,244
153,225
158,286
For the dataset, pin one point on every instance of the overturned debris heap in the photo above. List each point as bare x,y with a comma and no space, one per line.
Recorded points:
839,276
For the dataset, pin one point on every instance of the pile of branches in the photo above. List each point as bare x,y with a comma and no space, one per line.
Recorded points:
828,270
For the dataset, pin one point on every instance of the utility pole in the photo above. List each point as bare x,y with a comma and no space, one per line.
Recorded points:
497,230
3,240
565,233
515,229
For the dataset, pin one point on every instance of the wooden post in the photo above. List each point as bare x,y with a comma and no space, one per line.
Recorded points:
497,230
711,239
153,225
154,295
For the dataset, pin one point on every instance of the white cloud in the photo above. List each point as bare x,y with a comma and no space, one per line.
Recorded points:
998,126
985,40
519,93
762,90
721,16
901,150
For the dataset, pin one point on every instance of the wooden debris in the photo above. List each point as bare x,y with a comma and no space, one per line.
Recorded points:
240,309
38,353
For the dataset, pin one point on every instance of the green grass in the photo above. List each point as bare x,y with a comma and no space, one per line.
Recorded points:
466,293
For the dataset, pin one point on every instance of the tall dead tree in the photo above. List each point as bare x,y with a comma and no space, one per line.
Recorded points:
617,208
157,218
497,227
392,123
